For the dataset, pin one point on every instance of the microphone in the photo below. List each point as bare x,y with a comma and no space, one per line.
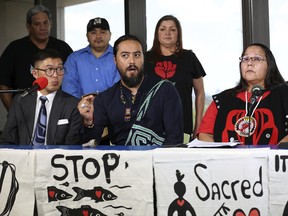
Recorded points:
256,92
38,84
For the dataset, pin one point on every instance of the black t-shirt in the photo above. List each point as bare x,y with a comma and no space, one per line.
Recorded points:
180,69
16,60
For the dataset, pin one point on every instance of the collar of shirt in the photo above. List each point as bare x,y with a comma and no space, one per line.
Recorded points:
49,102
241,95
50,97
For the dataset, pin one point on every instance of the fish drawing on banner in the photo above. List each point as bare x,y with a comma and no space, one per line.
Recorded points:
55,194
253,212
14,187
84,210
180,205
98,194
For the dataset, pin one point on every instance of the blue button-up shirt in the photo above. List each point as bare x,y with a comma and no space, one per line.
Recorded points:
84,73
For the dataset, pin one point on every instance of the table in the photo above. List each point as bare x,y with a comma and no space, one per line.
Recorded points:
129,180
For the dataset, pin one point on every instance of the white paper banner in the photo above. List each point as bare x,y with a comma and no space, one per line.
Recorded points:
207,182
94,182
278,184
16,182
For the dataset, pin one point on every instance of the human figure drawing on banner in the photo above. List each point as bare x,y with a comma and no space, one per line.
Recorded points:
180,205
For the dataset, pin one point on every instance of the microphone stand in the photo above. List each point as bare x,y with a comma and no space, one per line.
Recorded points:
12,90
250,110
252,105
249,121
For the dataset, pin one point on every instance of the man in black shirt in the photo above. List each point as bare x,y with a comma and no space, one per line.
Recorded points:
16,60
137,110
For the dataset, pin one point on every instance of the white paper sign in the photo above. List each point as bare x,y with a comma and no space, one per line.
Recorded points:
94,182
16,182
207,182
202,144
278,175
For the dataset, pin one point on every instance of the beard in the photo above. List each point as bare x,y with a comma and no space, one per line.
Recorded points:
133,81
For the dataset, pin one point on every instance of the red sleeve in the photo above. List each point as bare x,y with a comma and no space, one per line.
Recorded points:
208,120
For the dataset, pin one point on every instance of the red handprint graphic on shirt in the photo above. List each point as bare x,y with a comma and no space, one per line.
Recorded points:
165,69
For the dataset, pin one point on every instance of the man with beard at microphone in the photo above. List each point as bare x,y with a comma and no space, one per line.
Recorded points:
137,110
61,119
255,111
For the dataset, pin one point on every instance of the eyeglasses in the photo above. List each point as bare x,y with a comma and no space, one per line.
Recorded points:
50,71
246,59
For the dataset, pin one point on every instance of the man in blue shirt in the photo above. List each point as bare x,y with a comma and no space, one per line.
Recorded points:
91,69
138,110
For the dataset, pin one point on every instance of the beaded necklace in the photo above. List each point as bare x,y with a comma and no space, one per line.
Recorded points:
127,116
245,126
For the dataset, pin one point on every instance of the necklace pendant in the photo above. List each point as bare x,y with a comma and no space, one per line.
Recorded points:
245,126
127,116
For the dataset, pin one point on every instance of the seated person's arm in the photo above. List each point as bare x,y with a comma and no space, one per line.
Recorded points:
10,133
206,137
285,139
173,117
199,103
92,130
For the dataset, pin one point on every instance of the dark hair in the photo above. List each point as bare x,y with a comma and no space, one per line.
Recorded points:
156,44
273,76
125,38
36,9
41,55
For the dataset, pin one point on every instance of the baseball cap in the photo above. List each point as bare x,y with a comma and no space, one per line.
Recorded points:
98,23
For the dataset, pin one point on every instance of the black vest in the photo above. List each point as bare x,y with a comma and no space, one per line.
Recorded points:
271,116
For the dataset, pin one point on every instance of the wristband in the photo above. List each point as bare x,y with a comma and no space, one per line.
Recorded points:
88,126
